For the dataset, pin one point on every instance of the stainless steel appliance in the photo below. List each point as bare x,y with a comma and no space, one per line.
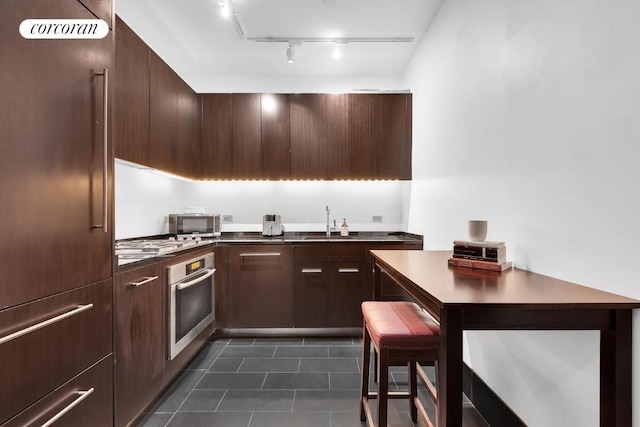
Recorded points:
128,251
272,225
191,301
186,225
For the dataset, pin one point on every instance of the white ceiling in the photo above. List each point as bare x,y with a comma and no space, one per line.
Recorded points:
194,38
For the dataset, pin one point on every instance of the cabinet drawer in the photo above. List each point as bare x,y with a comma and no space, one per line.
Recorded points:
49,341
330,252
86,400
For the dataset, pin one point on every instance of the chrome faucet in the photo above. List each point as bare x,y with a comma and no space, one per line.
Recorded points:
328,225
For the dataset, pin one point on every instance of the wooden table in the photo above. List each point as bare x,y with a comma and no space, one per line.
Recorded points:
462,298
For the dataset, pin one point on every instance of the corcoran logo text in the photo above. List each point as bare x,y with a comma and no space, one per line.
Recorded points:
64,29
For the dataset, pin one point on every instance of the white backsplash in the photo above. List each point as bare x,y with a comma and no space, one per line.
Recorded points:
143,198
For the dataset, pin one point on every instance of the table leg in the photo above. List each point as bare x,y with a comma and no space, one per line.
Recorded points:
615,371
377,282
449,375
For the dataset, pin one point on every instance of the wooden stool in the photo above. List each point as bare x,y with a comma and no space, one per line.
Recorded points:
401,332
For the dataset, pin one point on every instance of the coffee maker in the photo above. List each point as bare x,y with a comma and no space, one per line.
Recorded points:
272,225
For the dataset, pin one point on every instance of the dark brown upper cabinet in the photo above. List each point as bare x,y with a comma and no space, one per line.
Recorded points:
276,159
131,114
216,145
319,136
394,145
364,134
246,136
380,136
173,121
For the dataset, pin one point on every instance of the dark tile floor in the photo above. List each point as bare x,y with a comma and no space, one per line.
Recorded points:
267,382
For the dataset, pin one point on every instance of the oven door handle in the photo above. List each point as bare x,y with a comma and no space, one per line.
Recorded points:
185,285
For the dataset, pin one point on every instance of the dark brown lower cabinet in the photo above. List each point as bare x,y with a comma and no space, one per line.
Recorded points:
85,400
139,340
347,291
311,295
329,286
260,286
328,294
45,343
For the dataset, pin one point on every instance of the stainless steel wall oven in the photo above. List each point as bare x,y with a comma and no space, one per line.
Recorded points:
191,301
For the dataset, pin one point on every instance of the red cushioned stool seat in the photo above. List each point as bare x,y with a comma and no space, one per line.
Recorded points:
401,332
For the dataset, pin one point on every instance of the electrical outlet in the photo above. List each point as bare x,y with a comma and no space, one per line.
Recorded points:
376,218
227,218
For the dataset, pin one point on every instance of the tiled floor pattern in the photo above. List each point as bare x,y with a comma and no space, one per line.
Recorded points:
266,382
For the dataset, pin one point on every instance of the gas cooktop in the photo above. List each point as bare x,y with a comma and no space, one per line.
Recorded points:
134,250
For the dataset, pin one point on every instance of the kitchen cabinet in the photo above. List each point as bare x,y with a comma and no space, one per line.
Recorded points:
380,136
275,136
52,157
394,151
364,134
216,144
72,331
260,286
173,121
319,136
56,181
246,136
330,284
91,392
139,340
131,113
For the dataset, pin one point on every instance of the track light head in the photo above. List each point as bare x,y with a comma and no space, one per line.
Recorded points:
290,58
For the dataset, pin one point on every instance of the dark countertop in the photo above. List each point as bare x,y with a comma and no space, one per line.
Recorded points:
314,237
288,238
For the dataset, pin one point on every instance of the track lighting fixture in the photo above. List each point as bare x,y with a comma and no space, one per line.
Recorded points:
290,58
225,8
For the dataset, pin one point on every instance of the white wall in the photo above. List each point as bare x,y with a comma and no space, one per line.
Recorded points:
144,198
527,113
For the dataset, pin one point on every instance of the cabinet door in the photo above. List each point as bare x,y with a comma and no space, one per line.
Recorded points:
276,163
163,120
131,112
260,286
364,134
394,161
319,136
311,299
247,151
52,157
139,340
217,145
188,143
348,290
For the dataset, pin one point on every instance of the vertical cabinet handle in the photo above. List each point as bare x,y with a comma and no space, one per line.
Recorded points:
105,146
56,417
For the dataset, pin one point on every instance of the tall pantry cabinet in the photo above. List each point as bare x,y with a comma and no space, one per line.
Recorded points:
56,192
